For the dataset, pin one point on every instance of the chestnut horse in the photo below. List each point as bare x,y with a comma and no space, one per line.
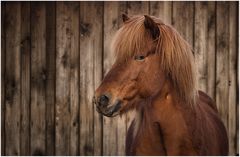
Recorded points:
154,75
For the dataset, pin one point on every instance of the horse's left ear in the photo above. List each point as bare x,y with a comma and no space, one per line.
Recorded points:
125,18
151,26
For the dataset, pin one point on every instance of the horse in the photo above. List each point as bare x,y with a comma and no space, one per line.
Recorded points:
154,75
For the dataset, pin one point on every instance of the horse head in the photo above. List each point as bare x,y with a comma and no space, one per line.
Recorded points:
146,56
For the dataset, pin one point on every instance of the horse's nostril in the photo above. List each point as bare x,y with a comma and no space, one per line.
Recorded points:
103,100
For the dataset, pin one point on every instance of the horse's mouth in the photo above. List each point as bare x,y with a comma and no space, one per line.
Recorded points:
111,111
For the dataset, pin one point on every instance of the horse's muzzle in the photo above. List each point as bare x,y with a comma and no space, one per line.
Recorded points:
102,106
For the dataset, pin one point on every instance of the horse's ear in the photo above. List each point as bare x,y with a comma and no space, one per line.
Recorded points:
151,26
125,17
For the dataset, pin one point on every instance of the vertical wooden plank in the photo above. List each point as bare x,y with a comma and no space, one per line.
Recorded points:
237,123
211,35
237,116
200,43
90,76
222,55
137,7
74,78
162,10
50,71
62,79
182,19
38,78
13,82
3,57
204,45
232,71
237,135
114,129
67,78
25,78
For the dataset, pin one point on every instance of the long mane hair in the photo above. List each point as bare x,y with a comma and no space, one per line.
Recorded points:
176,54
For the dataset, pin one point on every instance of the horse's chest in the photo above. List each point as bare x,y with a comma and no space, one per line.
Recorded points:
147,141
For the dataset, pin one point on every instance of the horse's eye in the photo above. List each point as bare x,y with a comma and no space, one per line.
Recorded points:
140,58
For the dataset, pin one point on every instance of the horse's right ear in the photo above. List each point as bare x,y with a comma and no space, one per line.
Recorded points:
125,18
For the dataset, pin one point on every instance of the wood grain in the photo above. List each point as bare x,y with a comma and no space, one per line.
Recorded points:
162,10
90,76
200,43
237,126
232,98
67,79
3,63
182,19
222,60
50,76
25,78
137,8
211,50
13,78
38,78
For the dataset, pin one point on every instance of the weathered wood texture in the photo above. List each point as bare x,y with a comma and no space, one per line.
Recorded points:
67,78
38,78
90,58
50,76
183,19
232,71
222,60
25,78
12,78
163,10
55,54
3,59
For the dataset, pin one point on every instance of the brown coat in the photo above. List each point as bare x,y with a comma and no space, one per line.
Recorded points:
175,129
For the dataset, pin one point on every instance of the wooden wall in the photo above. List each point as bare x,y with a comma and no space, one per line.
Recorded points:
54,55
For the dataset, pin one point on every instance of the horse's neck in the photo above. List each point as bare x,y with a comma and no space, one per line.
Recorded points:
164,108
172,114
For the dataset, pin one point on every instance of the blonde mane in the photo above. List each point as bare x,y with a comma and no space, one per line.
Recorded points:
176,55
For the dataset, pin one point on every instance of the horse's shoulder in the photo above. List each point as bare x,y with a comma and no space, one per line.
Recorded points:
207,99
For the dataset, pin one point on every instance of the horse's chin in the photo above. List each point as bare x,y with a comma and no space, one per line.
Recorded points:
111,111
120,107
